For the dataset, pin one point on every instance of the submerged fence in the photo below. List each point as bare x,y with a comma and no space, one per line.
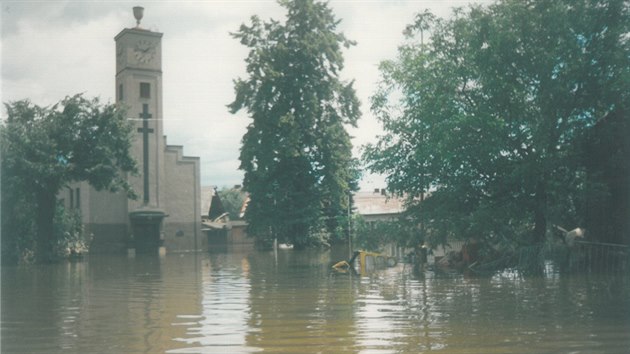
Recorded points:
599,257
581,257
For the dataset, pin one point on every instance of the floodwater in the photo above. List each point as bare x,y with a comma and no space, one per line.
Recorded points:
290,302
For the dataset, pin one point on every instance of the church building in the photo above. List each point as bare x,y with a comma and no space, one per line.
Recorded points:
168,211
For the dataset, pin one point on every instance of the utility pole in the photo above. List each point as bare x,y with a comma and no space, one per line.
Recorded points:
349,226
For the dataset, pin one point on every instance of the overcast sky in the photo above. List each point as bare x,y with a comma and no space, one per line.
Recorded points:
52,49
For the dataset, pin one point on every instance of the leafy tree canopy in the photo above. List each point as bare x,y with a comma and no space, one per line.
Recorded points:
296,153
46,148
232,199
486,110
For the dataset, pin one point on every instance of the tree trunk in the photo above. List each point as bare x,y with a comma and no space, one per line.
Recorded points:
540,214
45,214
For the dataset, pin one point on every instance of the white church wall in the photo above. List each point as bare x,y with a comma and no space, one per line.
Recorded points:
104,215
108,221
182,201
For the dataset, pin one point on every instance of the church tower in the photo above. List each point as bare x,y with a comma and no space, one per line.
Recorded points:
167,212
139,89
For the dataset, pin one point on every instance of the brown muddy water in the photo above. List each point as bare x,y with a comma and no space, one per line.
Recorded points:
291,302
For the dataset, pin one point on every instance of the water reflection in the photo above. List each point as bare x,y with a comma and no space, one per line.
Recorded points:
290,302
304,310
222,323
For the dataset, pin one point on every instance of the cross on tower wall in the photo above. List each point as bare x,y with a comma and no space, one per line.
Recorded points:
145,130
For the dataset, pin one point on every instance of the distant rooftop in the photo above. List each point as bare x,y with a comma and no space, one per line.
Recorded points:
377,202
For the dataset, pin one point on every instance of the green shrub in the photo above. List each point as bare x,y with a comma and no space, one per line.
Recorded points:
70,236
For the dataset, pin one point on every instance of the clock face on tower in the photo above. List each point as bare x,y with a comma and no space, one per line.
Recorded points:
145,51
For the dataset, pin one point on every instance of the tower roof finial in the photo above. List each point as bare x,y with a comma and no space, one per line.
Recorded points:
138,12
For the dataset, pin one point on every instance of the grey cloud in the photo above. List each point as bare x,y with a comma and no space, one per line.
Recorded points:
53,13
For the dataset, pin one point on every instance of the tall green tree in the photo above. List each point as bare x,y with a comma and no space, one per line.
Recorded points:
46,148
486,111
296,153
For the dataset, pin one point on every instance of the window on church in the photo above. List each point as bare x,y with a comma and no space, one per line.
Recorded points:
120,92
77,194
145,90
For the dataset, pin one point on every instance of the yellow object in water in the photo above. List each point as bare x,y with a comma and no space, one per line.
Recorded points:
368,261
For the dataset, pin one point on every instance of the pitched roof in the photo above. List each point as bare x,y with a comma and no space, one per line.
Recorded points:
206,199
